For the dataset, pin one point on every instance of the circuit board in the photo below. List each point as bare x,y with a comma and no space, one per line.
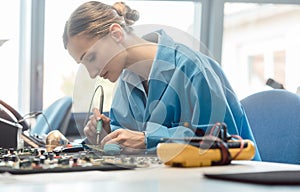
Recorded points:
38,160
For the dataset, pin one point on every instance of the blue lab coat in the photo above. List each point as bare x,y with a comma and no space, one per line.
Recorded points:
187,91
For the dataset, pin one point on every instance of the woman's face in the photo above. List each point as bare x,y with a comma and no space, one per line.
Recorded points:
104,57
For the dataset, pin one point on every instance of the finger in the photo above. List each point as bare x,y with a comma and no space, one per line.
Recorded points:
113,141
96,113
92,125
92,122
89,129
90,135
113,135
125,148
105,118
105,123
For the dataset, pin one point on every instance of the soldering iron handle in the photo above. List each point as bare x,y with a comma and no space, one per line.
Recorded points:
101,100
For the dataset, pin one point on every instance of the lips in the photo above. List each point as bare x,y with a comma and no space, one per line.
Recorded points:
104,75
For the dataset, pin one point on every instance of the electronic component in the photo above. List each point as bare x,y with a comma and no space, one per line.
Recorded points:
39,160
186,155
217,148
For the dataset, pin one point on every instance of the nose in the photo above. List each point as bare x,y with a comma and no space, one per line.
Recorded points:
93,76
92,73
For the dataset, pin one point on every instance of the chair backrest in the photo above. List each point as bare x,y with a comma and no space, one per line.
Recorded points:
274,117
58,116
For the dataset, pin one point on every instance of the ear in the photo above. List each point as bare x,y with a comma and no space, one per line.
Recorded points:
116,32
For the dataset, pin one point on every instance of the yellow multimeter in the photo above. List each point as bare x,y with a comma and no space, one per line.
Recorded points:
187,155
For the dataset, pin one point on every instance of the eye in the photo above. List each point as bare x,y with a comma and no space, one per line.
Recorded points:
90,58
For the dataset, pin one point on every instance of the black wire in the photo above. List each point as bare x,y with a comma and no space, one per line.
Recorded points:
101,103
46,119
35,114
30,115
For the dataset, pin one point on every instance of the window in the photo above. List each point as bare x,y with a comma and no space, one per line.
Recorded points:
256,70
9,51
279,58
261,41
62,76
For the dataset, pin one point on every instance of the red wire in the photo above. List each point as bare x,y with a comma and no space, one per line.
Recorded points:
241,145
214,127
214,138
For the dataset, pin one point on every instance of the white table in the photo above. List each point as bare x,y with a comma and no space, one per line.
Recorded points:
156,178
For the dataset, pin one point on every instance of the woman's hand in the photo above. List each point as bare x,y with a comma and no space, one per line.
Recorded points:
130,141
90,128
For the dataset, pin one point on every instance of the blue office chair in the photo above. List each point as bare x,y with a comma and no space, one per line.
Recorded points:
274,116
55,117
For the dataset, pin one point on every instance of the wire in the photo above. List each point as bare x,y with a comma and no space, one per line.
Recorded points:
241,145
35,114
101,102
47,121
29,115
215,126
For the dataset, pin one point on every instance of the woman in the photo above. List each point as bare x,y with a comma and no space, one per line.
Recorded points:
165,89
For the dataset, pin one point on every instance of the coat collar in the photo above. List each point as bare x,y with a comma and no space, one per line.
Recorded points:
163,64
165,56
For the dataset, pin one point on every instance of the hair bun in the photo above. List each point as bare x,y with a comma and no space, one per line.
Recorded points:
130,15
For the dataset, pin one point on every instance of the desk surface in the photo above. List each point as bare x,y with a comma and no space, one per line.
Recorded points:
156,178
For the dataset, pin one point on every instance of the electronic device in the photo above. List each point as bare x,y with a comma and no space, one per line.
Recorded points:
33,132
10,128
38,160
10,134
14,130
270,178
205,151
187,155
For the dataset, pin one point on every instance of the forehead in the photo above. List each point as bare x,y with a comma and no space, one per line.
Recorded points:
78,45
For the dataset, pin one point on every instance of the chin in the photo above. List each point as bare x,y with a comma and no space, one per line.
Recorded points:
113,80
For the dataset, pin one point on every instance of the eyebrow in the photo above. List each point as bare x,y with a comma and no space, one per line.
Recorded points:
80,59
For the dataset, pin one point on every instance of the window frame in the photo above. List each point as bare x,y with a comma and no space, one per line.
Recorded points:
211,36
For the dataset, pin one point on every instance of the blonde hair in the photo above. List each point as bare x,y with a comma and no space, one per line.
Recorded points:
94,18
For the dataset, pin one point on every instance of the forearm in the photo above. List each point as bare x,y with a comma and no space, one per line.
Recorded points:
155,132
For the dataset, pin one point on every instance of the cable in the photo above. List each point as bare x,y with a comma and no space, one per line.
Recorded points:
29,115
47,121
241,145
35,114
215,126
100,105
101,100
224,138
